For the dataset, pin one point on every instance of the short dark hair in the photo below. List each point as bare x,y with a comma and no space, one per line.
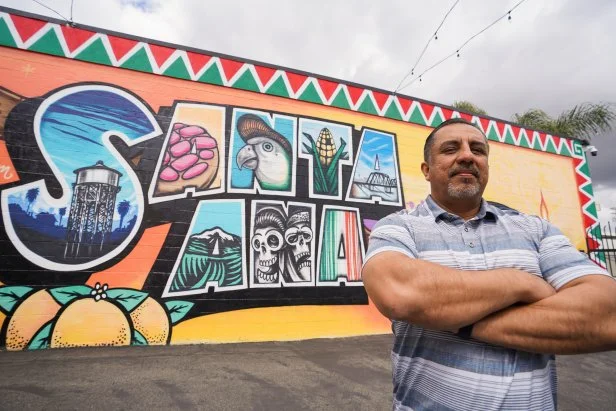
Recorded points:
430,140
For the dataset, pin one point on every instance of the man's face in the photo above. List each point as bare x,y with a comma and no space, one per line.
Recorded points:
457,168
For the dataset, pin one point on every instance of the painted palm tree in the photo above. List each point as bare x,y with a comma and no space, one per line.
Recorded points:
123,209
31,196
582,121
61,212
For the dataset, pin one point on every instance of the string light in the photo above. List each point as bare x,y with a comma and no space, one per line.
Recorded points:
412,71
49,8
457,52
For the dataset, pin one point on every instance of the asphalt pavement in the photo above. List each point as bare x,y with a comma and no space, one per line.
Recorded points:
324,374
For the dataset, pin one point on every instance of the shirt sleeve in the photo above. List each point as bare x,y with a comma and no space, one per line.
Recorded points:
559,261
391,233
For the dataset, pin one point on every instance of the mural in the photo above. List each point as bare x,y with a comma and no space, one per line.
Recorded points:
376,178
231,202
282,244
80,316
342,252
72,129
326,152
264,153
212,253
191,158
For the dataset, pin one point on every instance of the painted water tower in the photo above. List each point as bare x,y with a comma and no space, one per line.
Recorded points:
91,215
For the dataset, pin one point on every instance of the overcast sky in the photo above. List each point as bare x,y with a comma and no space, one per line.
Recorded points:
552,54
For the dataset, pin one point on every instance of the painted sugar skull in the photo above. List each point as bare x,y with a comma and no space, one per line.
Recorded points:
267,243
298,237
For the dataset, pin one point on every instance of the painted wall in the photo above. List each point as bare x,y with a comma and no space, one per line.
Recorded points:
153,195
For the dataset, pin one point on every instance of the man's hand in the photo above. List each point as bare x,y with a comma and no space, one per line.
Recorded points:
536,288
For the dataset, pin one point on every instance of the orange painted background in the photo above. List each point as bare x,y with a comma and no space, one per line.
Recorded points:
128,299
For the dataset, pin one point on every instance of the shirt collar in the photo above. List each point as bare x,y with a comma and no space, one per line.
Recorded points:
486,210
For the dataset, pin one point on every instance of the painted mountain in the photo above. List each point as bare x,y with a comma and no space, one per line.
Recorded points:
210,256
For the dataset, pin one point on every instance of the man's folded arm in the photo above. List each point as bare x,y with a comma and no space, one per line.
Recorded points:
438,297
579,318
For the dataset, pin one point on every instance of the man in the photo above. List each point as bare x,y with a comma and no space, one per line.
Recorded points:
481,296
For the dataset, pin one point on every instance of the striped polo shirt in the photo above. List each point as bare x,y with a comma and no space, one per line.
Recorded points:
437,370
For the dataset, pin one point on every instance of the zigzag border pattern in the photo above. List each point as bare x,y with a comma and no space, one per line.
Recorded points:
587,200
42,36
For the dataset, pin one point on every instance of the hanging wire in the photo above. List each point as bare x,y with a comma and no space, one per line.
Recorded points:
457,52
72,3
49,8
433,36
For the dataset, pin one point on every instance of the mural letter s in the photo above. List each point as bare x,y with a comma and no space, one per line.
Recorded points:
102,205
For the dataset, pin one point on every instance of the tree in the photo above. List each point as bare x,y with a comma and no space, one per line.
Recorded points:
467,106
582,121
123,209
31,196
62,212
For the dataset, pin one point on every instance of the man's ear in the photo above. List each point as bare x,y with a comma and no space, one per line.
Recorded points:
425,169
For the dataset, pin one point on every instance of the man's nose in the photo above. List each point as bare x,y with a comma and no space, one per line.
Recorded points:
465,154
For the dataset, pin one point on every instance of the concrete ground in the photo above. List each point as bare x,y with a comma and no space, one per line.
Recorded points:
327,374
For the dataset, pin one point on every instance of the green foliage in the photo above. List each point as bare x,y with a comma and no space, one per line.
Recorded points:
138,339
64,295
42,338
582,121
126,297
197,267
468,107
10,295
325,180
178,309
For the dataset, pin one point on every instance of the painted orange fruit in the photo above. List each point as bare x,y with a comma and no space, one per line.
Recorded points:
88,322
28,318
150,319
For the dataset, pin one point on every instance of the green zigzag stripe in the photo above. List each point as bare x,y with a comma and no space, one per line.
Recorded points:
392,111
6,38
212,76
95,53
49,43
311,95
178,69
417,116
139,62
247,82
278,88
367,106
341,100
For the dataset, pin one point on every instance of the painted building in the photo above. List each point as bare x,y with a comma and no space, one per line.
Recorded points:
153,194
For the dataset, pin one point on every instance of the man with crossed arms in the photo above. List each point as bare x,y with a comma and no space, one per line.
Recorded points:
481,296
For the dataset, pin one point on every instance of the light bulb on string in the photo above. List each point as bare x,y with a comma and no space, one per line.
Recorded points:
509,16
435,36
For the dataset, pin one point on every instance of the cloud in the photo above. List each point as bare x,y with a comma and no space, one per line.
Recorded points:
552,55
148,6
